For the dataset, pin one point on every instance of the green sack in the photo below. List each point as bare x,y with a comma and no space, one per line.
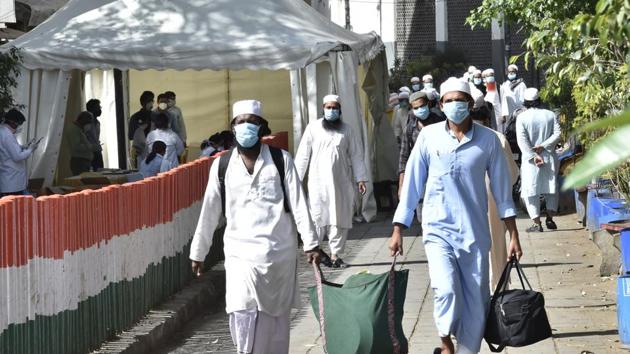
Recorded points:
357,316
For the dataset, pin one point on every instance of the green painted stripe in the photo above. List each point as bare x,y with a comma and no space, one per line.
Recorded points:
100,317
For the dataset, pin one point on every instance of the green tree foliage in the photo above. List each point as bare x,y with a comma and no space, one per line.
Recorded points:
9,73
583,47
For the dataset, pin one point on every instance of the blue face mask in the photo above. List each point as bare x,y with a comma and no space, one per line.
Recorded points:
331,114
415,87
246,134
477,81
421,112
456,111
511,76
428,85
490,79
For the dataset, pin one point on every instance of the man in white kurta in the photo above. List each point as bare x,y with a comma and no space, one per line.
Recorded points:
400,116
537,133
13,156
512,92
331,153
260,242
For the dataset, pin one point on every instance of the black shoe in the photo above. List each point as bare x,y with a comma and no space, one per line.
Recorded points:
551,225
535,228
325,259
339,263
437,351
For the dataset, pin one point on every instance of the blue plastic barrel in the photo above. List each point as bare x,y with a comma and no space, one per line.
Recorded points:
623,310
625,250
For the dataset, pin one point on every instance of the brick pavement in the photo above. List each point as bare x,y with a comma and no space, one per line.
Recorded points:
563,264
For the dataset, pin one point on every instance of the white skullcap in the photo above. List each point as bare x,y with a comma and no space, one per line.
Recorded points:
405,89
488,72
512,67
393,95
471,69
331,98
454,84
403,95
415,79
477,71
427,77
393,98
531,94
478,97
247,107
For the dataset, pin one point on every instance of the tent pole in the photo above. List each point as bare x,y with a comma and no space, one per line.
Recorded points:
120,119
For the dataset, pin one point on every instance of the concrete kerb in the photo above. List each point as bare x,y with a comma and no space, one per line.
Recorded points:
168,318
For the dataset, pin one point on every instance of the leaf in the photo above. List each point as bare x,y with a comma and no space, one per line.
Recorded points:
609,122
608,153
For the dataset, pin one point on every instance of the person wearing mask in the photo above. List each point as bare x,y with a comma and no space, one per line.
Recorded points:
427,81
260,239
174,145
13,156
93,132
142,117
415,84
404,89
512,92
451,161
392,105
468,75
81,148
332,154
155,162
434,97
492,97
477,81
481,114
537,133
177,124
400,116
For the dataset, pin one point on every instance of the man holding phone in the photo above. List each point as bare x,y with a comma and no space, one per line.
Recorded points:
13,176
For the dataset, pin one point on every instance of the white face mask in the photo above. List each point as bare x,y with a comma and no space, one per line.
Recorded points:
162,106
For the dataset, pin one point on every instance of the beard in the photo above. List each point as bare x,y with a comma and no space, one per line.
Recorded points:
331,125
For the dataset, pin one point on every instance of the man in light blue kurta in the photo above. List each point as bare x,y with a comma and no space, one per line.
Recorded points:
451,160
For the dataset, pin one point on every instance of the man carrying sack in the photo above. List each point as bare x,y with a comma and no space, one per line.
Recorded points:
451,160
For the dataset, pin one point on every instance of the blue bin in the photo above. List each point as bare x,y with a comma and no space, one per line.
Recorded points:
625,250
605,210
623,310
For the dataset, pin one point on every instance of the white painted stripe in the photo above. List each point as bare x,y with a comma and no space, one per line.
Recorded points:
47,286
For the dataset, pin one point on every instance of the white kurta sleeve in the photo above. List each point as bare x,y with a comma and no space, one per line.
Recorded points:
522,140
15,151
500,184
209,217
356,157
303,155
299,205
551,142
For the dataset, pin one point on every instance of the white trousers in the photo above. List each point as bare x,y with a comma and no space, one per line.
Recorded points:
255,332
337,237
533,204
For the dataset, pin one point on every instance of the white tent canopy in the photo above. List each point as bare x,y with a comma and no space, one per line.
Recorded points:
188,34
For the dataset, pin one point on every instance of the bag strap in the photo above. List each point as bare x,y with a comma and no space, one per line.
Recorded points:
521,274
278,160
224,161
320,301
391,308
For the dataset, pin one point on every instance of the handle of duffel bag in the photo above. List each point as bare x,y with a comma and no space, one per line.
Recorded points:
521,274
391,308
320,303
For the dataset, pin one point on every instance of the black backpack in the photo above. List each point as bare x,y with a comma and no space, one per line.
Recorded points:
510,130
517,317
278,160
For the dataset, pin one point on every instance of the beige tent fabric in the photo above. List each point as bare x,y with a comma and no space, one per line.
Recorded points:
498,251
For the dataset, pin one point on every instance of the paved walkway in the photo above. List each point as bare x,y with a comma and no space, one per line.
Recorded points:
562,264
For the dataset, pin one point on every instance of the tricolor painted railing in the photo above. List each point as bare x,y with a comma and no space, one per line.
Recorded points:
75,269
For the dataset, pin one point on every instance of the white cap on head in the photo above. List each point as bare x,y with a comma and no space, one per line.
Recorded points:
393,98
530,94
247,107
331,98
478,97
415,79
471,69
512,67
476,72
403,95
488,72
404,89
427,77
454,84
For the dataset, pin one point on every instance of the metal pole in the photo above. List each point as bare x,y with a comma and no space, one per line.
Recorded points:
120,119
347,3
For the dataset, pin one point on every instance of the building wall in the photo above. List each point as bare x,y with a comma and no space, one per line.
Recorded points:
415,28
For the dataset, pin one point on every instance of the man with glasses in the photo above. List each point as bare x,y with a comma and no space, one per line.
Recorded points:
451,160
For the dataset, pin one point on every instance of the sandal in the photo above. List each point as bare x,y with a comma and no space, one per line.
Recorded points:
339,263
535,228
551,225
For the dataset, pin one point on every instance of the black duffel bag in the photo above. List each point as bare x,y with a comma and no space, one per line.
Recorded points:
517,317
